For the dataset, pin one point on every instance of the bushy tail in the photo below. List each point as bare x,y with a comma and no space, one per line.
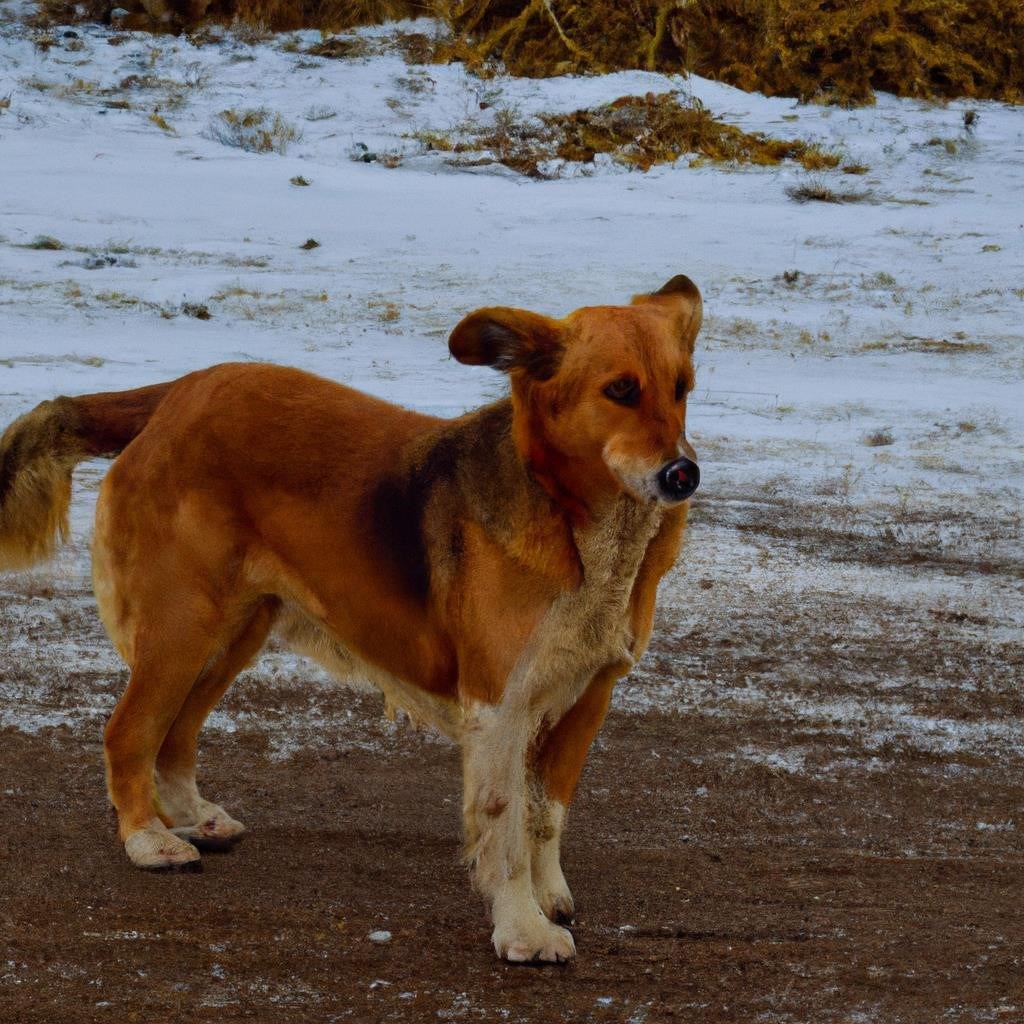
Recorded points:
39,450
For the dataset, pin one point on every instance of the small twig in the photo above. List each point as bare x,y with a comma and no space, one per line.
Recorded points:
570,45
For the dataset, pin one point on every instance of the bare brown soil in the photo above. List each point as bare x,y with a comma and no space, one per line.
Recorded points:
808,806
773,897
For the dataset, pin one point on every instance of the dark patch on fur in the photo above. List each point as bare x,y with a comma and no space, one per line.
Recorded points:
398,506
491,457
396,511
456,543
499,346
542,364
506,349
468,468
473,457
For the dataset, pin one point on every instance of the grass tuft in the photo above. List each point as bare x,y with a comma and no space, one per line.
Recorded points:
161,123
256,130
320,114
819,192
339,47
879,438
47,242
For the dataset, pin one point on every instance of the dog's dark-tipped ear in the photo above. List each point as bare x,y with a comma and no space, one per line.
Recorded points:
509,339
680,297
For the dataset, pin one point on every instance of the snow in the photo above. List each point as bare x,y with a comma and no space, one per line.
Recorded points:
828,326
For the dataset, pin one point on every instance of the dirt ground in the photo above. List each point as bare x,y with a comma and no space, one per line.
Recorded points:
734,858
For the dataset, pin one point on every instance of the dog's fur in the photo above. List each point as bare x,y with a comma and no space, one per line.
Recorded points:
493,575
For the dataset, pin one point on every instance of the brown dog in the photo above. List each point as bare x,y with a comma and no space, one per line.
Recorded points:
493,574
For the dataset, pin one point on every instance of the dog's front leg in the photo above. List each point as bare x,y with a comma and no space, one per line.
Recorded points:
497,819
558,763
550,889
584,634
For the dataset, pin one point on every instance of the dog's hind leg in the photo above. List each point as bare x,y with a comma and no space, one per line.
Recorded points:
165,665
206,825
557,767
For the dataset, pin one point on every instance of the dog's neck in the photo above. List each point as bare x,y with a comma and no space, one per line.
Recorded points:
534,524
613,543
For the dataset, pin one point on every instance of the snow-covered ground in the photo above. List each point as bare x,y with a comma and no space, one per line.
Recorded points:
856,549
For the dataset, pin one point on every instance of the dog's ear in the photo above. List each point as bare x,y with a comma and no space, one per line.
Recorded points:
680,297
509,339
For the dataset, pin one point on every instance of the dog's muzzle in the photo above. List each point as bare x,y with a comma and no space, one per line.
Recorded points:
679,479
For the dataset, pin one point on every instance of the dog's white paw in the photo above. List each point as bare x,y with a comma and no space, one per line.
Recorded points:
215,829
158,849
533,939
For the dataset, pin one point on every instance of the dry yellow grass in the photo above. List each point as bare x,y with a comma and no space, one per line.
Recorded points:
636,131
841,51
274,15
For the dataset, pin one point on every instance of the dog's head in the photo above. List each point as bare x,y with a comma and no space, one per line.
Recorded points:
599,397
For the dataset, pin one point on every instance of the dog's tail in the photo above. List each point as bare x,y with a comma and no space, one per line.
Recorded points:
39,450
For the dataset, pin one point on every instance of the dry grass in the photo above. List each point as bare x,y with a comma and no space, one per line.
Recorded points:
255,130
339,47
938,346
819,192
841,51
645,130
245,16
879,438
47,242
636,131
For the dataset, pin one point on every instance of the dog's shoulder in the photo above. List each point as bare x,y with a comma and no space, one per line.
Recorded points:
466,471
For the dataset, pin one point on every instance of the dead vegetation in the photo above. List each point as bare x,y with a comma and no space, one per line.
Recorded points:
879,438
339,48
939,346
256,130
634,131
839,52
816,191
265,16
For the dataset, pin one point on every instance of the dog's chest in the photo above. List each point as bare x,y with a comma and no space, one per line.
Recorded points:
612,550
589,629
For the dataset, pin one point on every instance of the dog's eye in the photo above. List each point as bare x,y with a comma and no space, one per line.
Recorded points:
680,389
624,391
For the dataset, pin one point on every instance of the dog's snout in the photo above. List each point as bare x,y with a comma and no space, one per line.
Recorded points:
679,479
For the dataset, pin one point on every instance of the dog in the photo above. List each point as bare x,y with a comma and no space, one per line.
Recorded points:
493,575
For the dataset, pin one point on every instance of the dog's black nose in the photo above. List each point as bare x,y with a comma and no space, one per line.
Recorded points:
679,479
